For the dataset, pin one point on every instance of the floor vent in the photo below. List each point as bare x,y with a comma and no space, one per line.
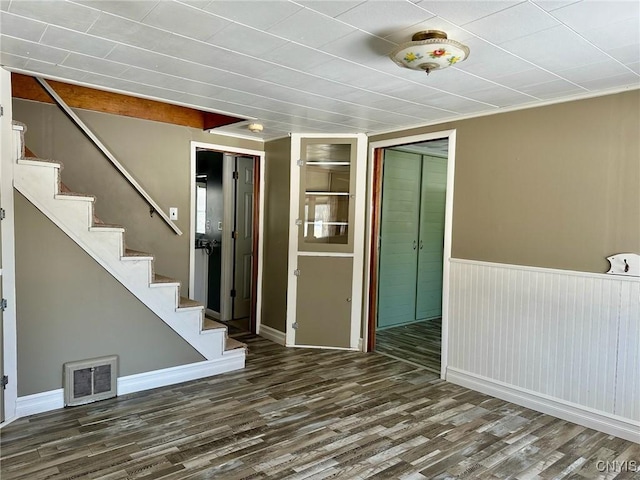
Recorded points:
87,381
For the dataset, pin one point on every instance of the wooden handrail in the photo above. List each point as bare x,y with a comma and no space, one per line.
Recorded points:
105,151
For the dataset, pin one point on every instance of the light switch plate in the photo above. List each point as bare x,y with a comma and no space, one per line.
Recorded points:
173,213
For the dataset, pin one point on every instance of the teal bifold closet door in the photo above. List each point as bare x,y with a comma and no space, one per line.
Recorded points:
431,237
399,222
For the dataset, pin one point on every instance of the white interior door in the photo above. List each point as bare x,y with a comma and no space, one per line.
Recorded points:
243,257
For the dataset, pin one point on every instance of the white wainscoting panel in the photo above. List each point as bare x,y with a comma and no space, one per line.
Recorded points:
570,336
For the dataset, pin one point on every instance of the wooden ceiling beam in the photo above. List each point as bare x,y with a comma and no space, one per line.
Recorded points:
26,87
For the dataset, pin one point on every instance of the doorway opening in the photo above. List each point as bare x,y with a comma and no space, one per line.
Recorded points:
411,207
225,235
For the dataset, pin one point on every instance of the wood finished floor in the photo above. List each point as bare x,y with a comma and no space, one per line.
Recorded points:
418,342
302,413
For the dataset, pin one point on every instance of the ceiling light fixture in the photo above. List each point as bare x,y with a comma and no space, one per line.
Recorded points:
429,50
255,127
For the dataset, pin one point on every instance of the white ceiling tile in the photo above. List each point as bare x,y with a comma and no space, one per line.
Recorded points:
488,61
4,4
76,42
73,16
453,31
310,28
54,70
31,50
360,47
456,81
12,61
283,76
550,5
553,89
184,20
533,76
511,23
296,86
137,57
594,71
297,56
123,8
573,51
95,65
262,14
625,79
383,17
459,104
246,40
127,31
616,35
502,97
123,85
332,8
20,27
149,77
634,66
585,15
463,12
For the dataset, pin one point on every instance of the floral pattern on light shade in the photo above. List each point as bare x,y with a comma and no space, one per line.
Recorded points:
440,52
410,57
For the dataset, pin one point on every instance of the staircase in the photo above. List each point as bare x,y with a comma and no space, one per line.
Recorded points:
39,181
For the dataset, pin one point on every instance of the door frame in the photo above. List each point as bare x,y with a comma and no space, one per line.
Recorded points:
258,223
8,276
374,197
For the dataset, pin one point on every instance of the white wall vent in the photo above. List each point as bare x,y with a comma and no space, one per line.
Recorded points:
87,381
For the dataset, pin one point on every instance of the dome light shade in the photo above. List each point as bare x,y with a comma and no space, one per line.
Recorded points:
429,50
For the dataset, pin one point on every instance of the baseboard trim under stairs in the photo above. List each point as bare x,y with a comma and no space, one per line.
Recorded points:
39,181
54,399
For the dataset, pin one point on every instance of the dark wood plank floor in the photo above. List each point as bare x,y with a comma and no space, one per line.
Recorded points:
312,414
418,342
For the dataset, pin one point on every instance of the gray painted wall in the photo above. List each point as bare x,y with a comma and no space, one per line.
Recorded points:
554,186
156,154
69,308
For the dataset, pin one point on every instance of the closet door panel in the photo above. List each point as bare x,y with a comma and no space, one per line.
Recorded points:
399,238
430,250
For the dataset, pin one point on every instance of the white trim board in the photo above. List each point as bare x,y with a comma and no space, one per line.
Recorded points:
611,424
54,399
272,334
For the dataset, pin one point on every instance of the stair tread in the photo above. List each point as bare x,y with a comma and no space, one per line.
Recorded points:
75,194
128,252
210,324
163,279
233,344
188,303
33,160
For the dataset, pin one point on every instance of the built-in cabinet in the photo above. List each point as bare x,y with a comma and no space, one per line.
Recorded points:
411,238
326,240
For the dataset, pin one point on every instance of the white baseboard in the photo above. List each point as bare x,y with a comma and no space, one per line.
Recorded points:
39,402
54,399
272,334
603,422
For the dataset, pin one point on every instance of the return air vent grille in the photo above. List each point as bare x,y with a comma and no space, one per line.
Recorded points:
87,381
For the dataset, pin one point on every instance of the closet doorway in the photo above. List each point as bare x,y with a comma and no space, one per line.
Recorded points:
408,260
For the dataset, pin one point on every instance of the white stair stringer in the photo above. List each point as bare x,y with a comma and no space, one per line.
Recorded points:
73,214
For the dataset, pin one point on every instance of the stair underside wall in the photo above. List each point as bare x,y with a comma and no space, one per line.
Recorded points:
69,308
